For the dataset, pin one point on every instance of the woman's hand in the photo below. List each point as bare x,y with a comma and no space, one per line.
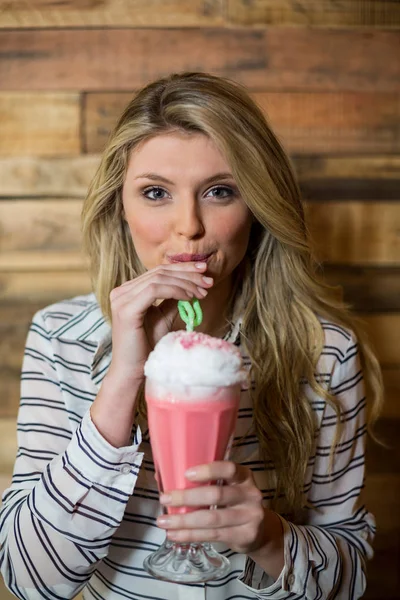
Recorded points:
139,320
240,519
138,323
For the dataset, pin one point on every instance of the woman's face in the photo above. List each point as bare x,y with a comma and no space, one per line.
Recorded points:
182,204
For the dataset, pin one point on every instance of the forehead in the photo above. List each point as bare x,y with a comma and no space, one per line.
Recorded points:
177,152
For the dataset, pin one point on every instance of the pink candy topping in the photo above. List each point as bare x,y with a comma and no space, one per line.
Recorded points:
191,339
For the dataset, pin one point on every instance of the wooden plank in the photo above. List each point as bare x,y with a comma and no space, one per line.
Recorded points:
47,177
8,445
316,13
4,593
43,226
306,123
321,177
391,380
100,115
43,286
382,573
326,123
348,177
385,458
370,168
382,499
269,59
367,289
45,124
111,13
14,262
384,332
43,234
355,233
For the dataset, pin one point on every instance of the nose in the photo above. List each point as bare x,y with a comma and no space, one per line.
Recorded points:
188,220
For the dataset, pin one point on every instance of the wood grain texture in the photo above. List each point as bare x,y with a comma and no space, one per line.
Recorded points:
356,233
372,289
328,123
110,13
317,13
321,177
45,124
46,234
43,177
391,381
44,226
306,123
43,286
8,445
348,177
384,333
270,59
346,167
100,115
382,499
385,458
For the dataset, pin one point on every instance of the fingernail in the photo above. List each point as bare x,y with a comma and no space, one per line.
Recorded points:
208,279
191,473
165,499
164,521
202,292
200,265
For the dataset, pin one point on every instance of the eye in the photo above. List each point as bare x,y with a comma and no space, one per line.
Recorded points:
155,193
221,192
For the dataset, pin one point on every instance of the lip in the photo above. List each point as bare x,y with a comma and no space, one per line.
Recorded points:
178,258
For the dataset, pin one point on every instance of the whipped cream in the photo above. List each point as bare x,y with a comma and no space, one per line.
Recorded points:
195,359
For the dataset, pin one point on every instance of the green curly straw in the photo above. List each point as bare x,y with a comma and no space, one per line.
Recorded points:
191,315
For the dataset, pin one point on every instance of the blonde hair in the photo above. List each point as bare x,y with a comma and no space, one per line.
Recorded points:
279,285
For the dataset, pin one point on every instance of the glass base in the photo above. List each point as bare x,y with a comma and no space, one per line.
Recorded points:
186,563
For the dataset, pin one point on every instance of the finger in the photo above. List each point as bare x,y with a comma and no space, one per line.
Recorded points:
159,287
187,271
180,270
206,519
198,278
226,470
197,287
136,305
205,535
206,496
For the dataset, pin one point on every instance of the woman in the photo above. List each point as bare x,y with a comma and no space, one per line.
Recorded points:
194,197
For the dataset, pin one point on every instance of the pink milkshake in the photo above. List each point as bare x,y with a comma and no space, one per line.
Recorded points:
193,384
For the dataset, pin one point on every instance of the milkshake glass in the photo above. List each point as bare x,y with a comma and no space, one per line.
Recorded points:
192,390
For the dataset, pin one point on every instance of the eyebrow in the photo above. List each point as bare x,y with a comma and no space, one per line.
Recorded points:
156,177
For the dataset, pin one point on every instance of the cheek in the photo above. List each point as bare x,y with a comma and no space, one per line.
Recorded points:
233,231
146,230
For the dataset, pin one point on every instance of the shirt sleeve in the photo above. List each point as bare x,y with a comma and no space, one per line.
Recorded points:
325,555
69,488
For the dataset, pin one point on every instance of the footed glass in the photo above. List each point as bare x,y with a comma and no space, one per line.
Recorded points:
189,426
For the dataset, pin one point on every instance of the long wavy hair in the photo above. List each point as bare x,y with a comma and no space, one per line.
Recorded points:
280,287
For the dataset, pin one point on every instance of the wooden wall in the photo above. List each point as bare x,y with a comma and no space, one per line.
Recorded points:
327,74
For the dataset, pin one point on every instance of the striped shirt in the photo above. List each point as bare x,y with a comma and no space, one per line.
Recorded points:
81,514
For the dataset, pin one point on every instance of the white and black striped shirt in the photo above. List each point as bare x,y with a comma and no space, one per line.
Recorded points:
82,514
